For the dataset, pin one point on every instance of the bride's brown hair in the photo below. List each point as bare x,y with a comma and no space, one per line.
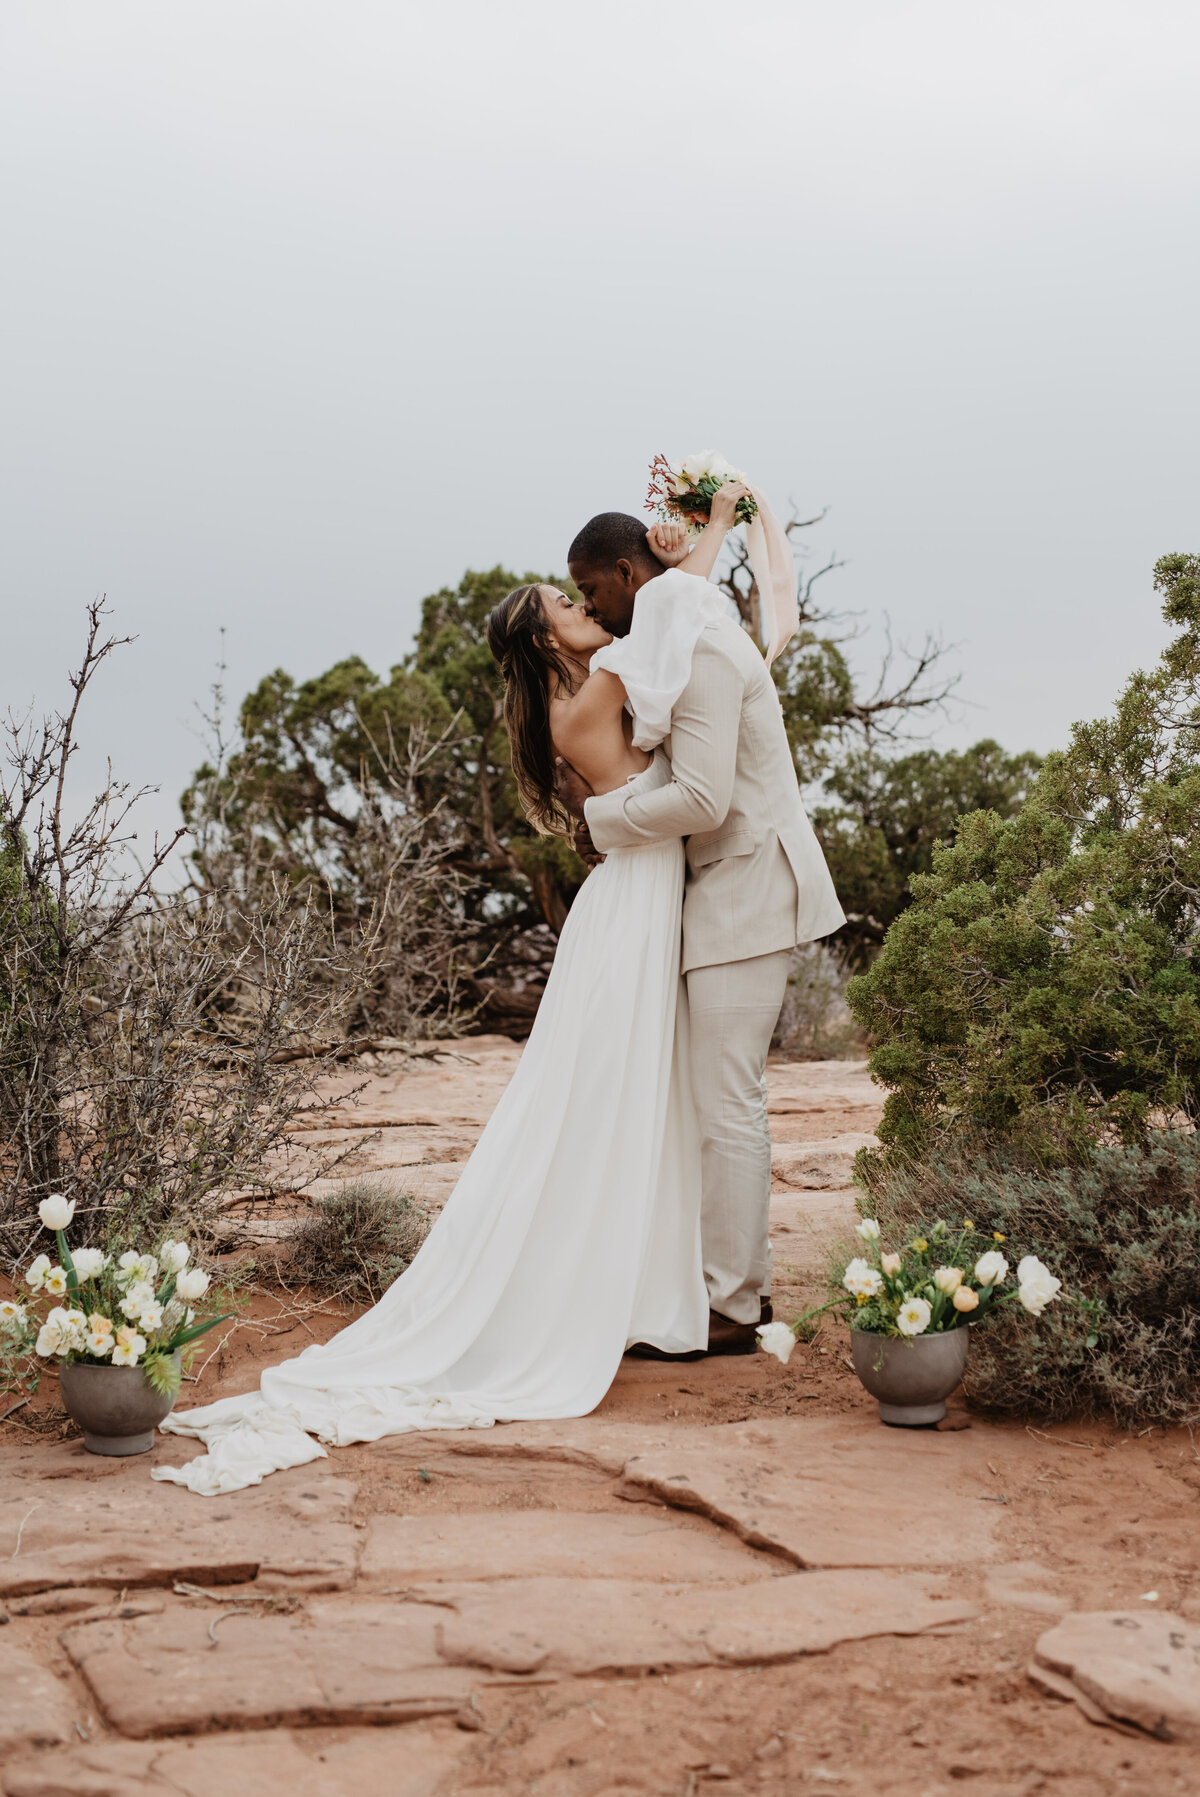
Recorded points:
533,666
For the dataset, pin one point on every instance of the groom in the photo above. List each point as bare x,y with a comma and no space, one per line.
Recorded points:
757,884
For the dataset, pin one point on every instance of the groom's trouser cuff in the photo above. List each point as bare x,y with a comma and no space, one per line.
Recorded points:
733,1010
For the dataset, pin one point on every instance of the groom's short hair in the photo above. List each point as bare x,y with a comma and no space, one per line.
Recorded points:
608,537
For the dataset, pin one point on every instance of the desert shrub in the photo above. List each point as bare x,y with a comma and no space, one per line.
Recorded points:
154,1046
1045,981
1121,1230
357,1240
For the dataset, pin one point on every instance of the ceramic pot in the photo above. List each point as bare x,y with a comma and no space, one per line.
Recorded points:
116,1406
910,1378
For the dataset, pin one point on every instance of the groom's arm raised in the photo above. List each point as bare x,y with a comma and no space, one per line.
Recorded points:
704,739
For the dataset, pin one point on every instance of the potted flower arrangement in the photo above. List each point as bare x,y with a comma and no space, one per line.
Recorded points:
910,1309
115,1326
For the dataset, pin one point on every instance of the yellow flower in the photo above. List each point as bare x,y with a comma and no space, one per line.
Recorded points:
862,1298
996,1236
920,1244
967,1223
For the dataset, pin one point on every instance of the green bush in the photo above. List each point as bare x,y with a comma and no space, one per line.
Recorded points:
358,1240
1044,984
1122,1231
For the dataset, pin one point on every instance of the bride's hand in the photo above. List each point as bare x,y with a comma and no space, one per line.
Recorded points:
725,502
668,543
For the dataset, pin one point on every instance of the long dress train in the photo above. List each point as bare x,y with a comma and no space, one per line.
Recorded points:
573,1231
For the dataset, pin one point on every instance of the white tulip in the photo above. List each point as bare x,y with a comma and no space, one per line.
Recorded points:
35,1273
174,1256
913,1316
192,1284
777,1339
948,1280
991,1268
56,1211
88,1262
861,1280
1036,1285
868,1229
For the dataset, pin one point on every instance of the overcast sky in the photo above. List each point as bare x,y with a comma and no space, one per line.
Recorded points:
309,306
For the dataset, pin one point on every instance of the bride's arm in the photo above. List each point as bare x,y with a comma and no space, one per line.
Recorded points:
707,547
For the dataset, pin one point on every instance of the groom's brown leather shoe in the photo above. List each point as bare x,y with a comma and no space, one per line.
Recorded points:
727,1337
647,1351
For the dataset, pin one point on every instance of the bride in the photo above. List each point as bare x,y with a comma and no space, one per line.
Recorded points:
574,1230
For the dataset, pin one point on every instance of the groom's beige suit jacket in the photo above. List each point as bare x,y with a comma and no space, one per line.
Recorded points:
757,880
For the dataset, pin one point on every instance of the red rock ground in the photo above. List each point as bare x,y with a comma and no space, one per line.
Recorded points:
631,1602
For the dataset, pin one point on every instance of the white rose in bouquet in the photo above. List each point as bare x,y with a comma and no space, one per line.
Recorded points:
192,1285
861,1280
777,1339
1036,1285
56,1211
991,1268
35,1272
913,1316
89,1262
174,1256
868,1229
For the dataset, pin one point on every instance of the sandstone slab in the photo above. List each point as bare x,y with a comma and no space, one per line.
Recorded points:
406,1550
117,1531
1139,1668
581,1628
35,1708
828,1492
339,1663
817,1166
267,1763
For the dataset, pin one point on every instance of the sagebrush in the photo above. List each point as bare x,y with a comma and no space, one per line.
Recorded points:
357,1240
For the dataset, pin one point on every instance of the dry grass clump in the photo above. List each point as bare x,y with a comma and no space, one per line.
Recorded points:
358,1240
1122,1231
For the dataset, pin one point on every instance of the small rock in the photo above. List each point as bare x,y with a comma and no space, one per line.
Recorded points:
770,1750
1141,1668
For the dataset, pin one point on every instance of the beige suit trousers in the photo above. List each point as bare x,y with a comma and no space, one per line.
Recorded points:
734,1008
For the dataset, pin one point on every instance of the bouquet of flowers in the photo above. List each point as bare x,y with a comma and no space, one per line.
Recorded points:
687,492
939,1280
131,1310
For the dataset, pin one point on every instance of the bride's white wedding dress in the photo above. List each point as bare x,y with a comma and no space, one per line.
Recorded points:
573,1231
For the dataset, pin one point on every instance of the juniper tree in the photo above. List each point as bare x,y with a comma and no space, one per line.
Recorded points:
1044,982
